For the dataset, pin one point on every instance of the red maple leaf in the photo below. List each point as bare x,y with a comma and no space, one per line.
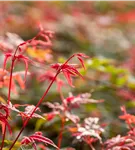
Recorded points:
4,113
16,76
37,137
130,119
68,71
18,58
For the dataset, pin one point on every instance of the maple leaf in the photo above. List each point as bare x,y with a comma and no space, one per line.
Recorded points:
37,137
80,56
55,106
68,71
130,119
84,98
123,142
18,57
120,143
7,56
4,113
67,105
12,107
89,132
25,60
58,109
46,38
27,113
74,118
28,110
16,76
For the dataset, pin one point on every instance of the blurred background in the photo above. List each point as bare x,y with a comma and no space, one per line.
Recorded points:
104,30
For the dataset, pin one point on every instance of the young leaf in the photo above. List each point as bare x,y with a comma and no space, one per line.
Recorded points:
37,137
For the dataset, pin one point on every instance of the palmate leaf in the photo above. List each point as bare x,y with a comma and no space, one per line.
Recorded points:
37,137
25,60
4,122
120,143
16,78
19,57
28,111
84,98
69,70
4,114
89,131
129,119
80,56
7,55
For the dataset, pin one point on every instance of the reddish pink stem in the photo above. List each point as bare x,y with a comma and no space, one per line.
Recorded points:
9,93
61,132
10,83
39,102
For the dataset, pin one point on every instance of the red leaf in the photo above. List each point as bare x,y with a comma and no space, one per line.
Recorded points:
130,119
18,78
28,110
82,62
3,118
82,55
68,77
7,55
39,138
25,59
68,71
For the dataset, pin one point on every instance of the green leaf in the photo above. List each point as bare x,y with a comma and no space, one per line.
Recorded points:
39,123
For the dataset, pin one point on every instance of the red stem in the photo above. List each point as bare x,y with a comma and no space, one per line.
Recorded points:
39,102
60,135
10,83
62,122
9,93
3,137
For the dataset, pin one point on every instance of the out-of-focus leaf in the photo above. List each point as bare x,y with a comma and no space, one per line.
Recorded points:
39,123
40,54
2,100
131,82
121,81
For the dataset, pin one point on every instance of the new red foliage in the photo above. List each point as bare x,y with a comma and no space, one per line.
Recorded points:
37,137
